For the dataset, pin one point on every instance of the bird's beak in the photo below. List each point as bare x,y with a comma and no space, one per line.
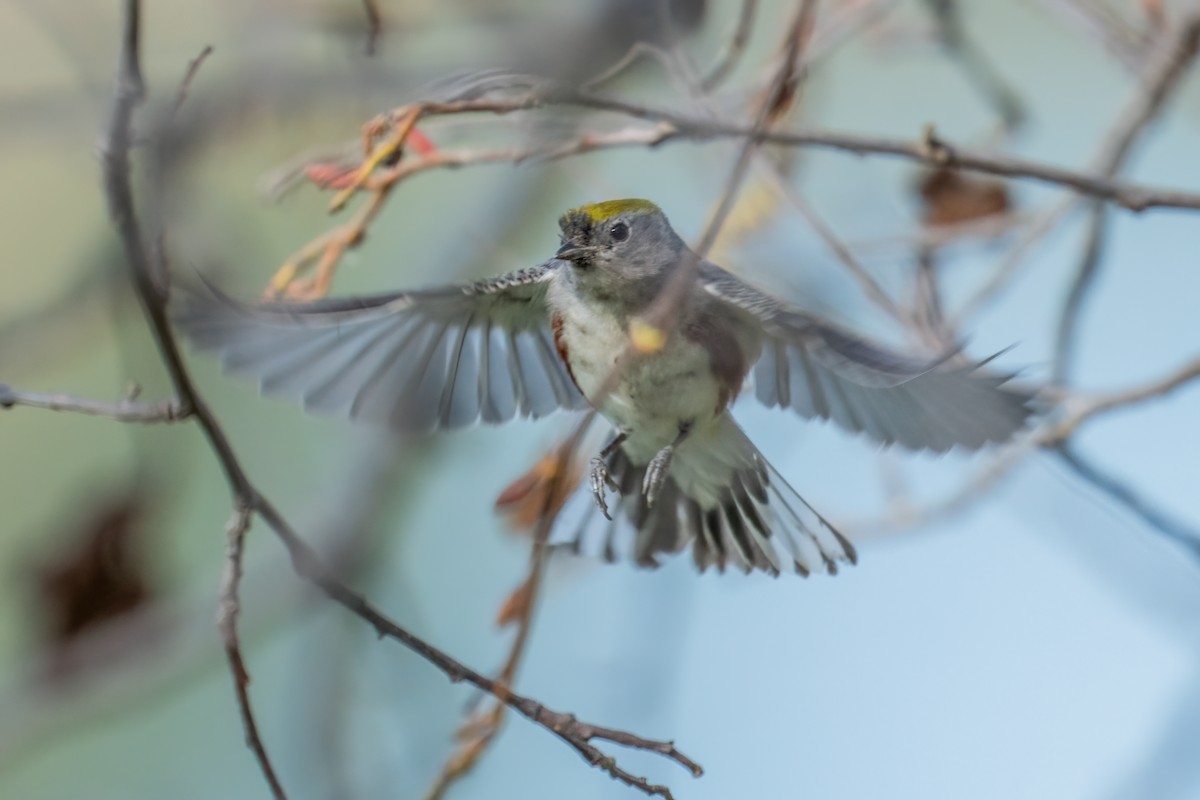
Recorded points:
572,252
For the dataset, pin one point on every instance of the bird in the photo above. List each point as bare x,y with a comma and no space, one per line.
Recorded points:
554,336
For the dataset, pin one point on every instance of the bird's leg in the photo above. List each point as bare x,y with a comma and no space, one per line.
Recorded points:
600,477
656,470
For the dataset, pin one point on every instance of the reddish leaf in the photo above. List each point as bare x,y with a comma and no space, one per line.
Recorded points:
420,142
331,175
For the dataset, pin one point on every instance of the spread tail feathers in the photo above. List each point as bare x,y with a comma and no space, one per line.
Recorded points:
723,498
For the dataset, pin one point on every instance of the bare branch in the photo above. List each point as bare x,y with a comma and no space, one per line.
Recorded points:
227,616
1007,269
933,151
1076,412
481,729
1127,496
119,194
636,52
1168,64
374,25
124,411
975,64
938,152
782,86
1088,408
188,76
842,252
576,734
1096,22
734,49
667,303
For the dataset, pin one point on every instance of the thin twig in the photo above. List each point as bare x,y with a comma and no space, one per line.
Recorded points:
1168,64
124,411
1107,162
482,728
842,252
188,76
974,63
984,231
1003,274
636,52
374,25
1129,497
782,85
1088,408
931,150
770,171
841,23
667,304
1076,412
1095,22
927,315
576,734
230,607
734,48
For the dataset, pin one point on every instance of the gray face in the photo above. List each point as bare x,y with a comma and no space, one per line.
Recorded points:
621,252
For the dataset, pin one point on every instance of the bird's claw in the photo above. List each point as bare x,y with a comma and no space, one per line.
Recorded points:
600,480
656,474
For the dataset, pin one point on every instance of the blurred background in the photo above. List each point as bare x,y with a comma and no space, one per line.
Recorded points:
1033,637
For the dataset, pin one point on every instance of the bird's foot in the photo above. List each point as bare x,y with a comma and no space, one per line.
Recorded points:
656,473
600,480
600,477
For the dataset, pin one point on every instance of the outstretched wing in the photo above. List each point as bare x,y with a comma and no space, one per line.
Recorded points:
819,370
417,361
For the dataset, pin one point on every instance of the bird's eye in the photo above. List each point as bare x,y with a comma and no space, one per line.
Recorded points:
619,232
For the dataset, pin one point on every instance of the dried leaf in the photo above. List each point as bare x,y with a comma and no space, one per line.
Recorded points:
525,500
100,575
514,606
951,198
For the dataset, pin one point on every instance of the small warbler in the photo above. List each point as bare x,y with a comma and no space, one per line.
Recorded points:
550,336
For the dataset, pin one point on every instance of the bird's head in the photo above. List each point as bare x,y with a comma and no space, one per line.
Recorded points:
619,240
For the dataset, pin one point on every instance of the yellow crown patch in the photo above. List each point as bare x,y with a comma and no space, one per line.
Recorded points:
598,212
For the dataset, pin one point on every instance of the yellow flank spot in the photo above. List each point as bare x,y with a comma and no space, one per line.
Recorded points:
646,338
598,212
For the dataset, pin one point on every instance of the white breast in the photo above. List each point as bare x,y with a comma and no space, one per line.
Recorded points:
654,395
